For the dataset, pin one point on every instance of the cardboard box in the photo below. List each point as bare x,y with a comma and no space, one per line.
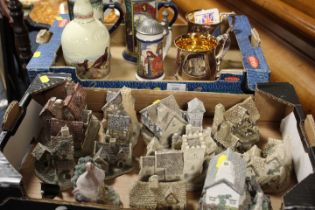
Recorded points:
281,117
239,73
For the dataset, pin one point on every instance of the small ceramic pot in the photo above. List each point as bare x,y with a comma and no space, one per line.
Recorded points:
151,53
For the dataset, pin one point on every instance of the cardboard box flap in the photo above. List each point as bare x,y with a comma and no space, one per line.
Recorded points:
300,155
47,81
275,101
281,91
301,196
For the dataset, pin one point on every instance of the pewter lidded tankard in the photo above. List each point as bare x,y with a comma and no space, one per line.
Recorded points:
136,11
151,52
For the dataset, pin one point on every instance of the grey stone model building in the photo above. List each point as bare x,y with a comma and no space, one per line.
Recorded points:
54,163
160,184
195,112
271,166
154,194
121,130
119,115
236,127
162,119
114,158
168,165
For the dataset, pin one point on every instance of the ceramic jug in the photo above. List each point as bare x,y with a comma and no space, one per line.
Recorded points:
151,52
85,43
136,11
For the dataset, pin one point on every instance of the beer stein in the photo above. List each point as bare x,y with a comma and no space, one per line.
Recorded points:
199,55
136,11
151,52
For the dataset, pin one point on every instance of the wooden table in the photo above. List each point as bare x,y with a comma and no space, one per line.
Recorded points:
285,62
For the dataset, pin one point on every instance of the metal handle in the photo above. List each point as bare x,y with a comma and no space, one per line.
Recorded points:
168,43
224,43
114,5
172,5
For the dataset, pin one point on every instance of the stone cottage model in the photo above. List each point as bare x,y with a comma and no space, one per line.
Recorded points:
271,166
195,112
162,119
168,165
121,131
54,162
224,187
236,127
120,117
160,183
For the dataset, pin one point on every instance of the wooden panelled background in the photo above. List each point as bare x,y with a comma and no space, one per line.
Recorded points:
287,63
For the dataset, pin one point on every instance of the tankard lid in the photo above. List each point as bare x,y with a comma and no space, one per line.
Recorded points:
149,26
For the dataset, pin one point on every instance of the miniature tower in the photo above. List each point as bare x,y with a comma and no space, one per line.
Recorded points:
195,112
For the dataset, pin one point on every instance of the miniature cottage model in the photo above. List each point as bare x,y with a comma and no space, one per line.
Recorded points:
168,165
120,117
158,195
69,130
160,183
54,162
236,127
195,112
121,133
271,166
162,119
225,182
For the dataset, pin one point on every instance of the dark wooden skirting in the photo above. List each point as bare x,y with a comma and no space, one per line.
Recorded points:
291,25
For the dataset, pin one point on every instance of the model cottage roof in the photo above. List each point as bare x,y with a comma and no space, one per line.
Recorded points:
162,113
169,102
172,162
76,102
112,98
48,107
239,166
196,105
143,196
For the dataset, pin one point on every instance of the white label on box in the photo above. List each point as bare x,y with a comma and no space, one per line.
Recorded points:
290,134
176,86
207,17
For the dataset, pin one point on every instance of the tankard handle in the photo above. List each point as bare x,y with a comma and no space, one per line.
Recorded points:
224,40
114,5
224,43
172,5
